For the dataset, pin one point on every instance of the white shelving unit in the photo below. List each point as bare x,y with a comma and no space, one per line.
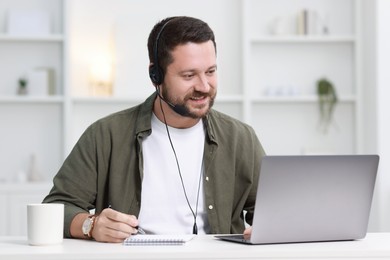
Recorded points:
31,124
281,68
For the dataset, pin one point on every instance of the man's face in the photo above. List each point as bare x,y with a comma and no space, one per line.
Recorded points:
191,79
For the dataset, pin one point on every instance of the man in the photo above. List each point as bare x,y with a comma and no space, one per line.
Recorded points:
169,165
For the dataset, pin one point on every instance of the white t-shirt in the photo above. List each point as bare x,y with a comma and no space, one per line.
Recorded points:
164,209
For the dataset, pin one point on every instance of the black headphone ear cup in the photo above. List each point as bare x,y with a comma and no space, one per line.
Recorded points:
155,75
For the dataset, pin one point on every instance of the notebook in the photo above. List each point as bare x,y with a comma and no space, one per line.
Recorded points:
312,198
153,240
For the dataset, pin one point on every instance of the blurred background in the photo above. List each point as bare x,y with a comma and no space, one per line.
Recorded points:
311,77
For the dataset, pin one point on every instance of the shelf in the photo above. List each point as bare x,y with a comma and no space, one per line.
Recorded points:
31,38
297,99
31,99
304,39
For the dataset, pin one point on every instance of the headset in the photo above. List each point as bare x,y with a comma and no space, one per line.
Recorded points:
156,73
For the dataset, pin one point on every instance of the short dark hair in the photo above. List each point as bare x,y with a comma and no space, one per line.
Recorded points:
179,30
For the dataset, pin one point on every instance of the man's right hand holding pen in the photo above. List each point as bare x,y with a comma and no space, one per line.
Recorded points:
109,226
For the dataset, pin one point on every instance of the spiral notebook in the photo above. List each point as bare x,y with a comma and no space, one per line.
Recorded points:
153,240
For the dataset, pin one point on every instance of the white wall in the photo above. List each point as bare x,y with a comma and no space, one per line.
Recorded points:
383,108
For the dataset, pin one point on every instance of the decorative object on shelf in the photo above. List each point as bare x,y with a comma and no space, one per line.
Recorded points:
41,81
28,22
282,25
101,78
305,22
282,91
327,99
22,86
324,22
308,22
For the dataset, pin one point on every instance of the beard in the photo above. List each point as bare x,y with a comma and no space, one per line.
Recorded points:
183,108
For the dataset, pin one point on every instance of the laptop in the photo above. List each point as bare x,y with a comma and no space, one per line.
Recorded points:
312,198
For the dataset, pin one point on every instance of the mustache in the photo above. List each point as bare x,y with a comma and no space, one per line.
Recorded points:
196,94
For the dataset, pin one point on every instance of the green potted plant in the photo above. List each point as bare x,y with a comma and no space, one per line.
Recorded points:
327,99
22,86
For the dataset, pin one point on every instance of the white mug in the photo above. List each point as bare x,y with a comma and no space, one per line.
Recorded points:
45,224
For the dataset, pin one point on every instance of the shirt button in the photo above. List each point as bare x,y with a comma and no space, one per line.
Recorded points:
207,178
210,206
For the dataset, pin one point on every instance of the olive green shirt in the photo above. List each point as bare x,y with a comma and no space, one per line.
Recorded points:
105,168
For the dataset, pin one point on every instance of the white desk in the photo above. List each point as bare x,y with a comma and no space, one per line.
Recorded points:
374,246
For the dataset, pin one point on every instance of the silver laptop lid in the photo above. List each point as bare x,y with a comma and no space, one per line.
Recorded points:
313,198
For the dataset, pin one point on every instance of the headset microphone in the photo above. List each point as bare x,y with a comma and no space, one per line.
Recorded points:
180,109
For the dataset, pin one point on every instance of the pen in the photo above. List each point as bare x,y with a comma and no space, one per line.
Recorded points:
139,229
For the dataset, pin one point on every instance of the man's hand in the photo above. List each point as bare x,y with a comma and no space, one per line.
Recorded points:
114,226
248,233
110,226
